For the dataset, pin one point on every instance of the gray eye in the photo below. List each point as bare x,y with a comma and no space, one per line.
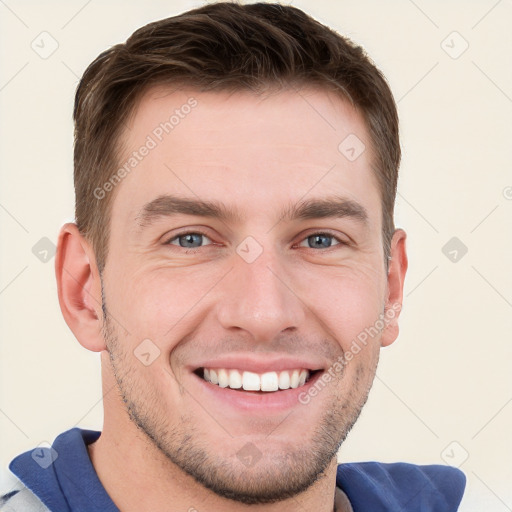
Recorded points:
319,240
189,240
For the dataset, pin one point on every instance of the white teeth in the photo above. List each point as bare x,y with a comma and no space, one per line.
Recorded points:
235,379
223,379
269,381
294,380
284,380
250,381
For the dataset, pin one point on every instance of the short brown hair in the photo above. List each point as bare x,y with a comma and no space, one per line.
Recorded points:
223,46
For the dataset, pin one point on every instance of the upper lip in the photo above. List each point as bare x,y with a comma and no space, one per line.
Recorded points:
260,364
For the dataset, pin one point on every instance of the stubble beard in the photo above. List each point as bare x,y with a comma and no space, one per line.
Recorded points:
276,477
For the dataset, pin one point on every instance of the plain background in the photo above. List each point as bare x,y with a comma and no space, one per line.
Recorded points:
443,391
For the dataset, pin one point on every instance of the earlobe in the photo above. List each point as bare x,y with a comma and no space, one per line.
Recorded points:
79,287
396,277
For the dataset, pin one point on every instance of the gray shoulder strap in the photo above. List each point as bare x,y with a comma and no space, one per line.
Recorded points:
21,499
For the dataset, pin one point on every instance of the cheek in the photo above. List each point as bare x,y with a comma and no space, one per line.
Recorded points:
158,303
349,304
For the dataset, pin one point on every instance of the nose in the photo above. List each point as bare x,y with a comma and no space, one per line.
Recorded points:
259,298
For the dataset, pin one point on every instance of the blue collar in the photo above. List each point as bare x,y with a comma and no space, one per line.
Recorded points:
70,483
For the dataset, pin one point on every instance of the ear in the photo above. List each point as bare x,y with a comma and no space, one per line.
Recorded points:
79,287
396,276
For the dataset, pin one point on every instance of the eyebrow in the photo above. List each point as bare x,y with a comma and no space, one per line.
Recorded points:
169,205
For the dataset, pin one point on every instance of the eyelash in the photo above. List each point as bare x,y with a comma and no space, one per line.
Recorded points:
199,232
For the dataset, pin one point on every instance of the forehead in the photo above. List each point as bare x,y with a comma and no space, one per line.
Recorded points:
244,149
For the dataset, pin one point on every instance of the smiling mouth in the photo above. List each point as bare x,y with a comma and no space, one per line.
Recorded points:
267,382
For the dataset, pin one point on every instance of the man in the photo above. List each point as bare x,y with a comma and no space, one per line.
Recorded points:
235,262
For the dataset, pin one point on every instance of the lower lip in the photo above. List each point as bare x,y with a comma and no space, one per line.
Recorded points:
273,401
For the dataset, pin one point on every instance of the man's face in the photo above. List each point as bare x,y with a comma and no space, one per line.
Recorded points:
262,291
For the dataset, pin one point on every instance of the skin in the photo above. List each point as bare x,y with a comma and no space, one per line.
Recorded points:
164,445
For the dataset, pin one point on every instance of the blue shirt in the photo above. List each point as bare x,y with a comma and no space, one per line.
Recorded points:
64,479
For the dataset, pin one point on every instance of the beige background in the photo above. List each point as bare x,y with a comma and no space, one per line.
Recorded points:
447,378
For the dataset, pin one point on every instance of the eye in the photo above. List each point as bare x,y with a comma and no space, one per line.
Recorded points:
195,239
188,240
321,241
